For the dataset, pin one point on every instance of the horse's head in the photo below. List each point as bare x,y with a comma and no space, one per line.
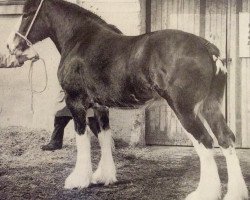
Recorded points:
31,29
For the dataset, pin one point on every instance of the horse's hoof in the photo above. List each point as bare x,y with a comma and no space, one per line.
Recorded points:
77,180
197,195
51,147
239,193
236,196
107,178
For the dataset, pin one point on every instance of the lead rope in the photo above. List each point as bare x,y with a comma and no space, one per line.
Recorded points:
32,91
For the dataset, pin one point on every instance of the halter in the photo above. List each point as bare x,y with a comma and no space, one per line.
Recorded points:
25,37
34,59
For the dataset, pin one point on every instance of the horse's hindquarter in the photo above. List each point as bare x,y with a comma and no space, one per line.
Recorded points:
180,65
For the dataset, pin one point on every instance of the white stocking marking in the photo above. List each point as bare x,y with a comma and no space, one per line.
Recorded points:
209,187
81,175
237,189
106,171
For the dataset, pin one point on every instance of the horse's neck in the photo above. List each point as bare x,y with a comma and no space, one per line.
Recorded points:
66,29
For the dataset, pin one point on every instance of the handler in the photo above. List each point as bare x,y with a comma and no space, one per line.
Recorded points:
62,117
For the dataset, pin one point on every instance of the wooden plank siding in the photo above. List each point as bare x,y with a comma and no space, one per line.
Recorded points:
232,66
218,22
245,90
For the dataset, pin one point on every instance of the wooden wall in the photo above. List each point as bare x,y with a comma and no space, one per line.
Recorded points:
218,22
177,14
244,77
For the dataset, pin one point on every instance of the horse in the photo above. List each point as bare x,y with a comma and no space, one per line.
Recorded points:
101,68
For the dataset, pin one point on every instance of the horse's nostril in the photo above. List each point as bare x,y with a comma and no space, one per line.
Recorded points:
8,47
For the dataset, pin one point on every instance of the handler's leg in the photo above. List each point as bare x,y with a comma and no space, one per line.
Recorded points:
106,170
56,140
82,173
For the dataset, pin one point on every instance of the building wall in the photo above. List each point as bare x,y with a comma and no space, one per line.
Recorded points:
217,21
15,96
128,15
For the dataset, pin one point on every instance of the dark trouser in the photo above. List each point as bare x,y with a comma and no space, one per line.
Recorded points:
61,120
56,140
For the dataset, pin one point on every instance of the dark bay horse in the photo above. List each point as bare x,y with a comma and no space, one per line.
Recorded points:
101,68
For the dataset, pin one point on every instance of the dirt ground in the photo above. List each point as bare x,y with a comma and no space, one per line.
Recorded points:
157,173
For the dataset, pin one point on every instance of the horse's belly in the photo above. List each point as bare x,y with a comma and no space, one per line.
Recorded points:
123,99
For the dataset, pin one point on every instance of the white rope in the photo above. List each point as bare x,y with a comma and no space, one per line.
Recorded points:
32,90
34,59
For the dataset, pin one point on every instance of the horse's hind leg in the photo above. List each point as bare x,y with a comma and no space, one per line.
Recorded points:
106,171
82,173
237,189
209,187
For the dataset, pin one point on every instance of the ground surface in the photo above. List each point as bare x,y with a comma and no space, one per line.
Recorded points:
169,173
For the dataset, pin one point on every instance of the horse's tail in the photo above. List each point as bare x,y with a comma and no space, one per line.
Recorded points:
219,79
210,106
217,86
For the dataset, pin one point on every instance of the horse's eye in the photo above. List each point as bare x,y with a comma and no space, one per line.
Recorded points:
25,16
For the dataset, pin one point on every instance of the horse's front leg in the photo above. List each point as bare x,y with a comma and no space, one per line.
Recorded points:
106,170
82,173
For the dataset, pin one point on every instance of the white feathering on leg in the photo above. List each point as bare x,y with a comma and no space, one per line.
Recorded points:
106,171
237,189
82,174
209,187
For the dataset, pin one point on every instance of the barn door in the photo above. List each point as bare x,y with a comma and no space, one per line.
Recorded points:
205,18
244,74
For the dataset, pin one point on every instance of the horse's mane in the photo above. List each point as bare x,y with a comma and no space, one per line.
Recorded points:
79,10
92,16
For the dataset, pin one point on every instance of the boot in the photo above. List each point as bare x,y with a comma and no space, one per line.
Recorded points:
56,140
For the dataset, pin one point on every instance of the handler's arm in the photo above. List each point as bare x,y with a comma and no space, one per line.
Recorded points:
8,61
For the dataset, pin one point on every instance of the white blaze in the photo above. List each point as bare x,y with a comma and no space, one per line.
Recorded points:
12,35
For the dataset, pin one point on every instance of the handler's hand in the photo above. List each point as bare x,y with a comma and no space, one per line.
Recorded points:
10,61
